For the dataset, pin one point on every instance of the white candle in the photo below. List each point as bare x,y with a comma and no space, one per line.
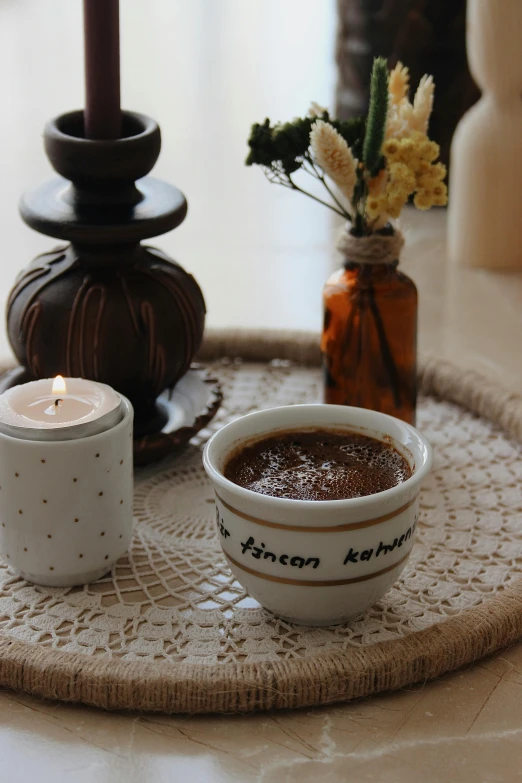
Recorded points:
59,409
66,480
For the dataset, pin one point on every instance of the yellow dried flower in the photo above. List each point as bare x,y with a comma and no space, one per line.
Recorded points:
334,156
402,177
395,204
439,170
440,195
428,150
426,181
423,167
424,198
398,83
377,184
401,151
391,149
407,153
374,207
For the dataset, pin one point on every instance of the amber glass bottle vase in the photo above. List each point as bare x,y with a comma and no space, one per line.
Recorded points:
369,341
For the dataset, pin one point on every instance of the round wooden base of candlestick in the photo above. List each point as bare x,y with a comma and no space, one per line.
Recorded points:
185,409
105,307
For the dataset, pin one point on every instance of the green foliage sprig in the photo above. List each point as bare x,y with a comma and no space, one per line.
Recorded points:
377,114
283,149
287,144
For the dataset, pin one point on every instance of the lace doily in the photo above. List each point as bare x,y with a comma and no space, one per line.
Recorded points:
169,629
174,599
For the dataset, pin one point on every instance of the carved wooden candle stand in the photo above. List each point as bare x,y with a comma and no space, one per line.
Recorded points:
103,306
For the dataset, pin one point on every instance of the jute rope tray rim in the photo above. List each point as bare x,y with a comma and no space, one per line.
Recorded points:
326,678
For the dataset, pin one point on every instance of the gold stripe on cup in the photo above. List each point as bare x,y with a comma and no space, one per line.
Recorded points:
320,583
316,529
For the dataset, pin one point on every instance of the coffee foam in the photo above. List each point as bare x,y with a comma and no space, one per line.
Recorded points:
317,465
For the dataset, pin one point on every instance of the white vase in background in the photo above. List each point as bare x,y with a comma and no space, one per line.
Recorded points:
485,215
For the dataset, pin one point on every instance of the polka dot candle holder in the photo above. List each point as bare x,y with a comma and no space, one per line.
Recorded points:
66,505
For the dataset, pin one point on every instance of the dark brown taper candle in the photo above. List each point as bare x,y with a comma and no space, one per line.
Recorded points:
101,21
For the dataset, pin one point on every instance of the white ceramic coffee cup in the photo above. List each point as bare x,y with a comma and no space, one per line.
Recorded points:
317,562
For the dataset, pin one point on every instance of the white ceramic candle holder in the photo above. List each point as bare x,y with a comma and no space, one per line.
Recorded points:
66,505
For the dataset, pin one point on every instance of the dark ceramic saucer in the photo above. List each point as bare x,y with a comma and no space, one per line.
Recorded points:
188,407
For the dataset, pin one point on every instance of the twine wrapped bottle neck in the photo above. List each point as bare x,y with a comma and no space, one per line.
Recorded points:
371,249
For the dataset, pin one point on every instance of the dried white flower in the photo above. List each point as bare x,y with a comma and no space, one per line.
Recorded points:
398,83
334,156
403,118
316,110
399,122
423,103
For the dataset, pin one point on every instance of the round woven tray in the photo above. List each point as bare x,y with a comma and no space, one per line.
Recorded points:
170,630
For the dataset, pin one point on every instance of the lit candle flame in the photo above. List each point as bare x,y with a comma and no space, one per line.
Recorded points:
59,385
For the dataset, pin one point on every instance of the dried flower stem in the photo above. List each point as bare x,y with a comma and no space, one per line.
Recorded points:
293,186
317,174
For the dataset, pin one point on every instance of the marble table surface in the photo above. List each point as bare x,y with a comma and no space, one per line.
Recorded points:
206,70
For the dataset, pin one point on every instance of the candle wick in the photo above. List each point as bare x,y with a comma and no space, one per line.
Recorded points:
57,403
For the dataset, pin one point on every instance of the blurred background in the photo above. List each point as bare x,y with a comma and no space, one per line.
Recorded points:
206,70
429,36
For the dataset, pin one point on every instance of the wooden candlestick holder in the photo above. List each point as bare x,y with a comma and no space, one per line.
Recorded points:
104,306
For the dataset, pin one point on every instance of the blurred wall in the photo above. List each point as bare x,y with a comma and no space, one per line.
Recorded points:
429,36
